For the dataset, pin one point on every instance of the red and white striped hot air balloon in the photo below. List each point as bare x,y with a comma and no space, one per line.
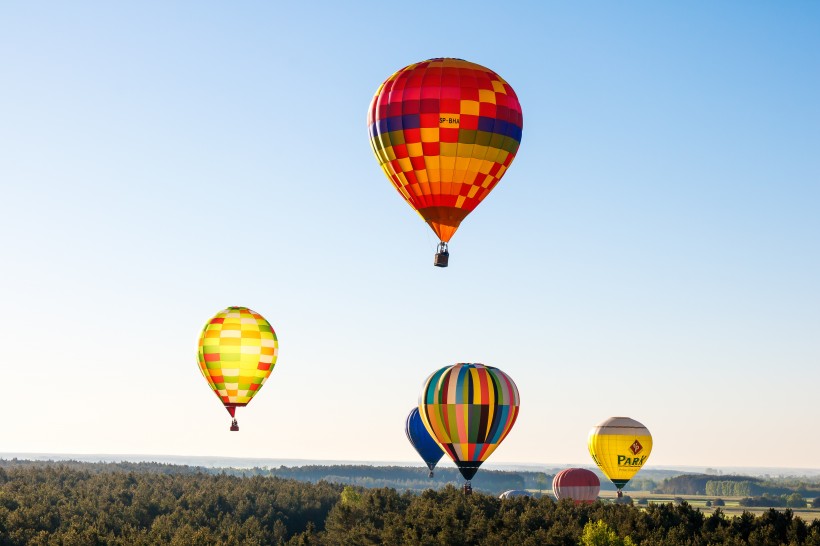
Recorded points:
578,484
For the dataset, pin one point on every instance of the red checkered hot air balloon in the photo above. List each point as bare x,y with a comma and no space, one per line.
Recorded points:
445,131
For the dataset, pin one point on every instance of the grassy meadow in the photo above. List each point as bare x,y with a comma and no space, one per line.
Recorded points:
732,507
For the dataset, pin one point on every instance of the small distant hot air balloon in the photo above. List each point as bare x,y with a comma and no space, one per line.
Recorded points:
237,352
469,409
444,131
578,484
421,440
620,446
512,493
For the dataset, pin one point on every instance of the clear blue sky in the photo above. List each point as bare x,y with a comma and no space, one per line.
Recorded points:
654,250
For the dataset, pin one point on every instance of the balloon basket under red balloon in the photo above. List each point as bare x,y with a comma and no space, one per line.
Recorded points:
442,256
234,426
468,489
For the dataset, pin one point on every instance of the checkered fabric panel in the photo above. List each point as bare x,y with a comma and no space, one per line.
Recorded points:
445,131
237,352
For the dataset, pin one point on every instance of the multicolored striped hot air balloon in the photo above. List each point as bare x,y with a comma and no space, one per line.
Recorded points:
469,409
620,446
445,131
579,484
237,352
422,442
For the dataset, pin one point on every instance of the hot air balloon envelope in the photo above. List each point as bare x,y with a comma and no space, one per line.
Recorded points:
512,493
421,440
469,409
445,131
620,446
237,352
578,484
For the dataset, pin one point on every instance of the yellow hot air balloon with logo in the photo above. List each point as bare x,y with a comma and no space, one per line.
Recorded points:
620,446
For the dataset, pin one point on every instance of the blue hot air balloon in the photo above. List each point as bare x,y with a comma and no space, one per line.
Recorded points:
422,441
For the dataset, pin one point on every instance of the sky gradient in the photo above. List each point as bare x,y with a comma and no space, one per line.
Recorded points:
653,251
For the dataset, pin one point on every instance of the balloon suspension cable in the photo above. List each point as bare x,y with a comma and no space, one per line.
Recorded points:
468,489
234,425
442,256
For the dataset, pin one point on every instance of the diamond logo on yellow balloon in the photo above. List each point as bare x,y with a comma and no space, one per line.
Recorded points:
636,447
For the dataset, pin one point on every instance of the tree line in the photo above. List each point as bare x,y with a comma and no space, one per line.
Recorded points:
737,486
71,505
402,478
410,478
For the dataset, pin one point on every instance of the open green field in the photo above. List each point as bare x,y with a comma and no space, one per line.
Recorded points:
732,507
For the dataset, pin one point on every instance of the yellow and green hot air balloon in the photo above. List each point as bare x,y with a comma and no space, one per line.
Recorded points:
620,446
237,352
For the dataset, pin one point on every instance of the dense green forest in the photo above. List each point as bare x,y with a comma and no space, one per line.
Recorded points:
88,504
